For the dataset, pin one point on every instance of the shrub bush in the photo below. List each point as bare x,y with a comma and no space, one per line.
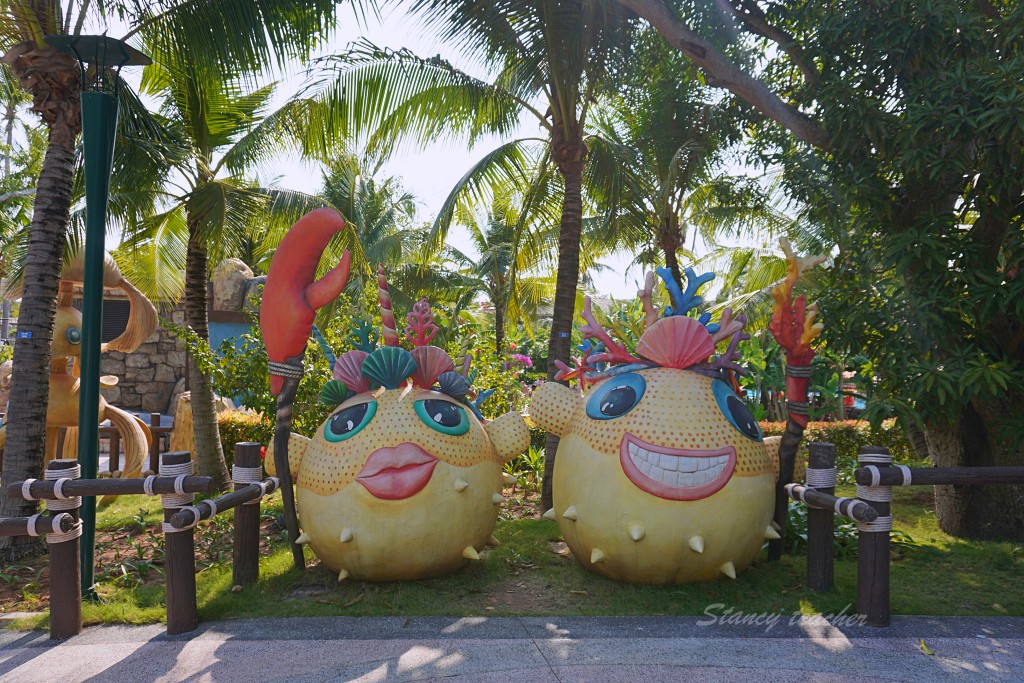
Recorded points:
848,436
237,426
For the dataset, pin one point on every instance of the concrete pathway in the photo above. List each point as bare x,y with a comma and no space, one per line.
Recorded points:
527,649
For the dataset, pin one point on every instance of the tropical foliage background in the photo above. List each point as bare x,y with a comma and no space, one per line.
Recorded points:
686,134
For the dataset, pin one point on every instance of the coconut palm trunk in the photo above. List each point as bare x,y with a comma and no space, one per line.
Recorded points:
569,153
52,79
209,455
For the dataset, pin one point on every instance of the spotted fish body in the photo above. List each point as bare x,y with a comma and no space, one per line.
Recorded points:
661,476
402,483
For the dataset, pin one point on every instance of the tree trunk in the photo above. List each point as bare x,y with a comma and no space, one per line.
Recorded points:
980,512
568,154
209,455
669,239
53,80
499,329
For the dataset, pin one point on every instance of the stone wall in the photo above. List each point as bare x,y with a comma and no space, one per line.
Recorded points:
148,376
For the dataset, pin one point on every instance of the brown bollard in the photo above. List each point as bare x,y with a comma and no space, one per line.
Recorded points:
821,475
245,553
65,558
873,542
179,548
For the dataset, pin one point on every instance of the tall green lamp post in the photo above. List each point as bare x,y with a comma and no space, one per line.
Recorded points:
101,59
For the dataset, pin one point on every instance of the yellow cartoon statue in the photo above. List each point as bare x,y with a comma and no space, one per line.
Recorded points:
404,478
662,475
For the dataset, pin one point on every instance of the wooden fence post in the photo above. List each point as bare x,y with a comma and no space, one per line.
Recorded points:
154,446
873,541
245,553
821,475
65,558
179,549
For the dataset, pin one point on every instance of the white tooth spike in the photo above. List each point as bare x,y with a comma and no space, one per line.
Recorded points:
461,485
550,514
728,569
342,575
470,553
497,498
771,534
596,556
570,513
775,525
696,544
492,541
509,479
303,538
346,535
637,532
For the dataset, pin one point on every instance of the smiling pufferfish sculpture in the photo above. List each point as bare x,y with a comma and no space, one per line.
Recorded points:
404,478
662,475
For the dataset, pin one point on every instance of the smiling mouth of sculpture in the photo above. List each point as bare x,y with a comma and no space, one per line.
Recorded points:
397,472
675,473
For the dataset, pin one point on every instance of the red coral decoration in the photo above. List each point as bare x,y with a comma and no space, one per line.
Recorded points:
421,329
614,352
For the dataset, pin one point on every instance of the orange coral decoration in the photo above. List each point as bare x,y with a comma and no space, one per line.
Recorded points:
794,328
793,323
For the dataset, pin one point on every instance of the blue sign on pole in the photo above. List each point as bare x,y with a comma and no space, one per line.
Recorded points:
26,334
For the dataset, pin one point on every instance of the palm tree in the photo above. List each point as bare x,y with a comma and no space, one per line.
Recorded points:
212,209
551,59
510,270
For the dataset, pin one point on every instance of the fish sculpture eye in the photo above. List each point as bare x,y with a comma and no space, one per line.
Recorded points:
442,416
736,411
350,421
73,335
616,397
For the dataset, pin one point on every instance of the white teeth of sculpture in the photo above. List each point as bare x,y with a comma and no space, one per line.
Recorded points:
678,470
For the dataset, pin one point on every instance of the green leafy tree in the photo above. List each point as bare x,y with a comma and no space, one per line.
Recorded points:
550,59
900,123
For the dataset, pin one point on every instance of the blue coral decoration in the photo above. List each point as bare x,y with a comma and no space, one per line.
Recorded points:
328,354
683,302
363,335
334,393
389,367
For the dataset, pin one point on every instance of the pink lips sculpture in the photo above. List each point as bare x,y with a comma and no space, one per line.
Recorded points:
398,472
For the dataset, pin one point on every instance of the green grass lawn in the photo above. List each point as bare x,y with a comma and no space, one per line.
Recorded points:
530,574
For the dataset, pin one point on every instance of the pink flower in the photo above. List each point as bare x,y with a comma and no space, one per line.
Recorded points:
523,360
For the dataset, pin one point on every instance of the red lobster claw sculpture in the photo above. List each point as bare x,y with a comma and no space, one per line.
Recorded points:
291,297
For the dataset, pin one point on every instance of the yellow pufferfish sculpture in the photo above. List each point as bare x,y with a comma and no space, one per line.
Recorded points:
662,475
403,480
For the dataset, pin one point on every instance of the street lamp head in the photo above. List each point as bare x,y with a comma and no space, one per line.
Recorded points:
100,58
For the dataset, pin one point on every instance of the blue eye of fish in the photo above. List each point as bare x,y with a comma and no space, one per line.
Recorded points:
736,411
73,335
616,396
350,421
442,416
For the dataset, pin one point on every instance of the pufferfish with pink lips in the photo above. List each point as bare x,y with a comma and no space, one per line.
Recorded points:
662,474
403,480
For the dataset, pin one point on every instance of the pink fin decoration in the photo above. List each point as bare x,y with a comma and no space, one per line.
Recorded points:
421,329
431,363
348,368
676,342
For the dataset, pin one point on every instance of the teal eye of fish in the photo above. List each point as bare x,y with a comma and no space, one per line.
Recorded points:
736,411
616,396
73,335
348,422
442,416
